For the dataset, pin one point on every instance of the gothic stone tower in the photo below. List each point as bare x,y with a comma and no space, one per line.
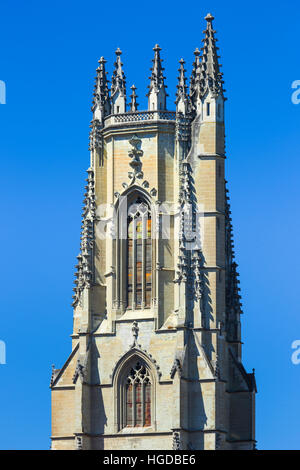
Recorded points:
156,345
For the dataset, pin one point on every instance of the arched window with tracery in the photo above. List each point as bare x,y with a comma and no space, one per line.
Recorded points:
138,396
139,256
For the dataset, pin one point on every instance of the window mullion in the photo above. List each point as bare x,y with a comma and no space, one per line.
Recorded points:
144,238
134,248
143,404
134,404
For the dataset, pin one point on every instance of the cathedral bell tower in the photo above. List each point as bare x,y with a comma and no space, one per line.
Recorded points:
156,357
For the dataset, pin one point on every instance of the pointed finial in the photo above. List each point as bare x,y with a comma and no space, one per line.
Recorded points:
133,103
209,17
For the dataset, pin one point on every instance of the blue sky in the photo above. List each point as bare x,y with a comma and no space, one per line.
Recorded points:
48,57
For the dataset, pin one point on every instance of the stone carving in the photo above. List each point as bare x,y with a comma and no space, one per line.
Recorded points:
217,369
183,130
198,275
178,363
80,369
54,374
176,368
96,137
135,154
135,333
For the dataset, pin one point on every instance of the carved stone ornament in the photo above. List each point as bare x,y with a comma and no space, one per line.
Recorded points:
135,154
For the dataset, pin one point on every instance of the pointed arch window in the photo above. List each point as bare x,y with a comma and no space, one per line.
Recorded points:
138,396
139,256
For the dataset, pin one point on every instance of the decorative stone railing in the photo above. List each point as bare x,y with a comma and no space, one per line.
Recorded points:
139,116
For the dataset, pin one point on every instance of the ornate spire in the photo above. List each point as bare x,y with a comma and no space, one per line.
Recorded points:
133,103
211,77
181,94
101,102
157,88
118,86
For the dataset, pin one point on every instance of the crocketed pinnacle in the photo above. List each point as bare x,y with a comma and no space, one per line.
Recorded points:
101,91
118,81
195,81
181,87
133,104
157,77
211,77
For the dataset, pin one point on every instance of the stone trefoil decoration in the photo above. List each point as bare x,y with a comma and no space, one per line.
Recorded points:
135,154
84,273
